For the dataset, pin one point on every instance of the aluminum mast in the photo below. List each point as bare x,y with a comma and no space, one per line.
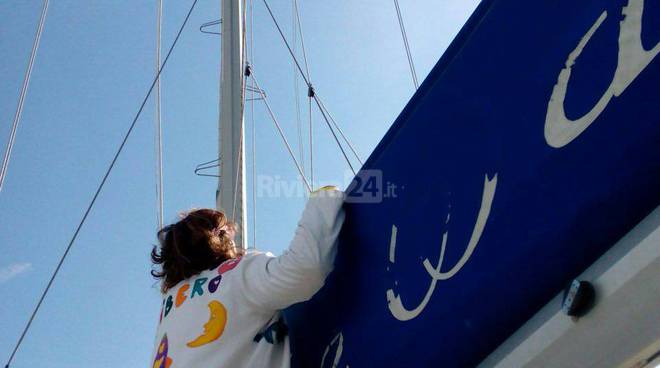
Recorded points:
230,196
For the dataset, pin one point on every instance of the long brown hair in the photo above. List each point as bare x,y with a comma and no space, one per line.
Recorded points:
202,239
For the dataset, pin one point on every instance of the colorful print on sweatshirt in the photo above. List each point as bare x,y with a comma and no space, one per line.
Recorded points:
197,287
214,327
162,360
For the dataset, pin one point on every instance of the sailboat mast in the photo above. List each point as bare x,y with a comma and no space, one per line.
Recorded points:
231,193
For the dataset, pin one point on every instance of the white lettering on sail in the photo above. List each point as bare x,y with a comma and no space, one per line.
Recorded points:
339,341
394,301
632,59
393,243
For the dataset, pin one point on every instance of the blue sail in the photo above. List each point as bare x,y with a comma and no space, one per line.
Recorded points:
529,150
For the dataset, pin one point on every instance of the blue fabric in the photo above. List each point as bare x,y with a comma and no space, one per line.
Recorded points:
481,112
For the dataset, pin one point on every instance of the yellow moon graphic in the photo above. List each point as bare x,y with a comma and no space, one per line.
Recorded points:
214,327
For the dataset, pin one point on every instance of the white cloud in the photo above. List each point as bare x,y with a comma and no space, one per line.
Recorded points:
9,272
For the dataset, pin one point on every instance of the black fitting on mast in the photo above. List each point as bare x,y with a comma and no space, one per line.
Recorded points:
310,91
248,70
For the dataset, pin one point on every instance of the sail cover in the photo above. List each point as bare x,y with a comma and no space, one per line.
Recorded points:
531,148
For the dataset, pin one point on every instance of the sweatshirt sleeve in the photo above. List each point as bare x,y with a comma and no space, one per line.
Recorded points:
275,283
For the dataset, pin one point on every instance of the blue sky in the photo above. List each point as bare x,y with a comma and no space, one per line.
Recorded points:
94,65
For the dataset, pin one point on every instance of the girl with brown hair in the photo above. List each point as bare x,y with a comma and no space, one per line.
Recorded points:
221,306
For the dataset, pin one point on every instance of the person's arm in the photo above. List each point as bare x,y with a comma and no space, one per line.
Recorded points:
277,282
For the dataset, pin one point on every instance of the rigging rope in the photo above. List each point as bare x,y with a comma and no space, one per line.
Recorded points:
100,187
302,38
296,90
341,132
311,141
310,89
286,43
239,161
311,92
254,137
239,157
406,45
21,98
299,124
343,152
279,129
244,36
159,135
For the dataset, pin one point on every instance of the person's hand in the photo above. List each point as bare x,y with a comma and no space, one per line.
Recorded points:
327,187
326,191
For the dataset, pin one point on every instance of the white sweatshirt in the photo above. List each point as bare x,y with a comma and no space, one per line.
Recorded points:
228,316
